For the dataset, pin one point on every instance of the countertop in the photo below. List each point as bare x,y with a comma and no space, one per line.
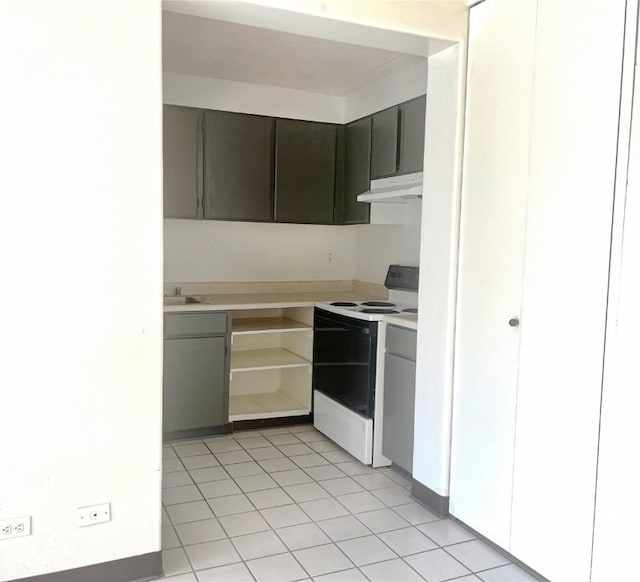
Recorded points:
233,301
408,320
229,301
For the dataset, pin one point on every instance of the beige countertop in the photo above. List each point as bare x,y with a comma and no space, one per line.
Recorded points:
230,301
408,320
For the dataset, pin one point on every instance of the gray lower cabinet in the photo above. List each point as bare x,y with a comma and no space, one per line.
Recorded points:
238,166
196,373
181,154
399,396
305,171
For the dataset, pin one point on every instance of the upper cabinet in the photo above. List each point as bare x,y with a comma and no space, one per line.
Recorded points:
357,172
411,122
238,166
397,140
305,171
182,172
234,166
384,143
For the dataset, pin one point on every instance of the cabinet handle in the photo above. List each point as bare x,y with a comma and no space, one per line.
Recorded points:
514,322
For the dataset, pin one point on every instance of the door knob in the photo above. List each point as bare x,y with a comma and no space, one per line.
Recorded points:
514,322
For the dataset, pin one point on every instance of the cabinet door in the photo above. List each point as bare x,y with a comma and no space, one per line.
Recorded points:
305,171
411,150
357,171
572,175
195,384
493,214
181,149
384,143
238,162
398,410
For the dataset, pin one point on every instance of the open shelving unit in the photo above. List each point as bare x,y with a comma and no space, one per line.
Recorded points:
271,353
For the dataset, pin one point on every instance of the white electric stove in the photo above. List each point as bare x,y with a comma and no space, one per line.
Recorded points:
399,302
348,365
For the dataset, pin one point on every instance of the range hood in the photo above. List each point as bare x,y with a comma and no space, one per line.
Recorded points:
394,189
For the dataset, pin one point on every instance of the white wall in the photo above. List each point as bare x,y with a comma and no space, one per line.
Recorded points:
207,251
378,246
81,373
401,86
240,97
438,270
440,19
617,502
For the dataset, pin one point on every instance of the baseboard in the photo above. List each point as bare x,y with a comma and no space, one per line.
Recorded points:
433,501
193,433
271,422
133,569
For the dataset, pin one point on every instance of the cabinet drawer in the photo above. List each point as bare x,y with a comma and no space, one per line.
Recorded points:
195,324
402,342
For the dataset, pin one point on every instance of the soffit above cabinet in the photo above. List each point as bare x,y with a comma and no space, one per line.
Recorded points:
207,47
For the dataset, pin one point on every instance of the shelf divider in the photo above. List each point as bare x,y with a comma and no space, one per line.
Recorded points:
265,359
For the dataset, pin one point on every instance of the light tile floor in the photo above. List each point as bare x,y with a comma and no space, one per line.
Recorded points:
286,504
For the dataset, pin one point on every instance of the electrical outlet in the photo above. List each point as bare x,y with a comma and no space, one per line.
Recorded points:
15,527
331,254
93,514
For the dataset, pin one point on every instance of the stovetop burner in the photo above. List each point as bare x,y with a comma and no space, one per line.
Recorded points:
410,310
378,310
344,304
378,304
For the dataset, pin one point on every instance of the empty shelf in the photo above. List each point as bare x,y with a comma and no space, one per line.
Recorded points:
266,325
268,405
265,359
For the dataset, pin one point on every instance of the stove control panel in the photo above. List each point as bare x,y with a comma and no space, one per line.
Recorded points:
402,277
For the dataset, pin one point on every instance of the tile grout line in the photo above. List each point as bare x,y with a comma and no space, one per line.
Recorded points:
317,482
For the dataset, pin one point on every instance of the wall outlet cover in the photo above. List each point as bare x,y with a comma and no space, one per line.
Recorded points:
16,527
93,514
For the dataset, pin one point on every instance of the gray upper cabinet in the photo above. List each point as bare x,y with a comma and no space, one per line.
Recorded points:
182,175
411,131
397,140
234,166
357,170
384,143
239,166
305,171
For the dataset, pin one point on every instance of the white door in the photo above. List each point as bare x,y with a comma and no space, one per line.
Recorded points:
494,200
575,115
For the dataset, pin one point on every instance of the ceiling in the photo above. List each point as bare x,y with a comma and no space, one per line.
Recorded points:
206,47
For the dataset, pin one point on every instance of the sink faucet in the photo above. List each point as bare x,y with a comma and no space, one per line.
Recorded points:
178,291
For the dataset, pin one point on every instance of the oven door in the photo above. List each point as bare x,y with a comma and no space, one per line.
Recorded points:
344,360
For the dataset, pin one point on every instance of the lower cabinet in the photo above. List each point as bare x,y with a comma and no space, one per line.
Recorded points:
399,396
196,374
271,363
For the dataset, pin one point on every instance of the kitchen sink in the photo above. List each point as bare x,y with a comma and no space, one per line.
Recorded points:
180,300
